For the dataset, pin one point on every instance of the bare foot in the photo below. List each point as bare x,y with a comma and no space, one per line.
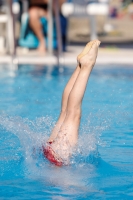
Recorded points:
42,48
85,50
89,54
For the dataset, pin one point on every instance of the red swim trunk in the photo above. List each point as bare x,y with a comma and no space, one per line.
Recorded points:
51,155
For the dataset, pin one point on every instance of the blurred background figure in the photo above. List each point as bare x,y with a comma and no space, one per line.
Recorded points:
37,10
31,24
34,26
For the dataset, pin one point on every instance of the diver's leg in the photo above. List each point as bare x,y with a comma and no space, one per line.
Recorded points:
68,133
65,96
66,93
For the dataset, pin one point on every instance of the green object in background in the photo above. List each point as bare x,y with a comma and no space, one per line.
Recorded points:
126,2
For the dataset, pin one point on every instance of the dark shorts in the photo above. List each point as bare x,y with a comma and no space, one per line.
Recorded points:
43,6
49,153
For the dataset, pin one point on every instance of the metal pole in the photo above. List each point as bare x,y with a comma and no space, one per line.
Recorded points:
25,6
11,29
58,29
50,27
93,34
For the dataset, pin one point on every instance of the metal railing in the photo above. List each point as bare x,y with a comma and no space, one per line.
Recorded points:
11,26
10,29
58,29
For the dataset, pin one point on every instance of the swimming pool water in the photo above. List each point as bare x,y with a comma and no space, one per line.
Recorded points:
101,167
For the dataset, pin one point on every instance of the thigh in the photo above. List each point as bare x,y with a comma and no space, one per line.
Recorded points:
69,129
38,11
42,11
66,139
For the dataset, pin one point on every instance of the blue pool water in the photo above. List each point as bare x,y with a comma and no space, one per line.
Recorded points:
101,167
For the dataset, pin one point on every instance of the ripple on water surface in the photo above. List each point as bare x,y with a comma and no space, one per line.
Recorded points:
101,166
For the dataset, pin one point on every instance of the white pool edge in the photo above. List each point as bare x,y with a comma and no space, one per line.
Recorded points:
65,60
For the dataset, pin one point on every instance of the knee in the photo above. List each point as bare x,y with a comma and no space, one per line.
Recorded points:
74,114
33,13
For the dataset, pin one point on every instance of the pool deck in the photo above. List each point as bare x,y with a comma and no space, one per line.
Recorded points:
107,55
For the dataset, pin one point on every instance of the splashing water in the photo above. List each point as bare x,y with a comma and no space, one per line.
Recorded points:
33,134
